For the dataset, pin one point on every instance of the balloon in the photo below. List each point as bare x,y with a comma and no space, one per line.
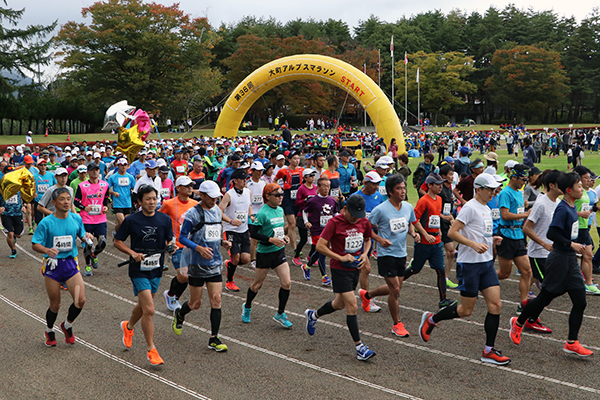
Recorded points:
117,114
143,121
14,181
129,142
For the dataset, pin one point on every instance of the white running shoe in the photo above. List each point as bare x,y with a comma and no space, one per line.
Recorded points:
172,302
374,307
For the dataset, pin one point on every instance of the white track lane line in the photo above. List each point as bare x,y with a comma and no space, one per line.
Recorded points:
109,355
245,344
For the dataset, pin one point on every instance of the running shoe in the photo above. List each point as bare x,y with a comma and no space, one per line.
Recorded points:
283,320
494,357
521,306
592,289
363,353
154,358
451,284
69,337
374,255
366,304
253,264
536,326
50,339
172,302
373,307
13,253
577,348
306,272
515,331
127,334
426,326
215,344
31,230
88,271
326,281
177,322
246,313
400,330
311,321
531,295
518,273
165,267
63,286
297,261
95,262
447,302
231,286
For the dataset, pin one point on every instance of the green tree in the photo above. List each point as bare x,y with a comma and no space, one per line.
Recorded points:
443,81
528,81
142,52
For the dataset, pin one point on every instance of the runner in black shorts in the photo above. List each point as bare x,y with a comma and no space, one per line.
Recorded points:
12,218
447,173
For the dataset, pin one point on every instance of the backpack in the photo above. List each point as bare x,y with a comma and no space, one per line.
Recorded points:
202,222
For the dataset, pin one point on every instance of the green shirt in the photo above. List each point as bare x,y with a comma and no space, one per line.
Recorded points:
52,166
270,221
580,203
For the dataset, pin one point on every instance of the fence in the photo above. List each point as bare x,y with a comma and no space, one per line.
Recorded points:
38,127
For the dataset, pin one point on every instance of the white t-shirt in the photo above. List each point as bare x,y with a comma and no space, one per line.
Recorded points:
477,218
541,215
256,189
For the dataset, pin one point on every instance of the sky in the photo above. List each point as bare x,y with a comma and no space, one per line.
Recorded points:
351,11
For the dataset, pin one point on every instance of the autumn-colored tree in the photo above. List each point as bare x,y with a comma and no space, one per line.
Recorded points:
443,81
142,52
527,80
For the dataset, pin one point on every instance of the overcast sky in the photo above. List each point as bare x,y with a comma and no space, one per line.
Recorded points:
350,11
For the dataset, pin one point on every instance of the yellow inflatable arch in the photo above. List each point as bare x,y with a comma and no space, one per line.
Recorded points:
320,68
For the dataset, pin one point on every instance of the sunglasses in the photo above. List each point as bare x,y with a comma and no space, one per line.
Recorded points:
276,194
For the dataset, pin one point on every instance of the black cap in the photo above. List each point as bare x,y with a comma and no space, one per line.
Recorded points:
235,157
356,206
344,154
238,174
535,171
268,165
163,168
91,166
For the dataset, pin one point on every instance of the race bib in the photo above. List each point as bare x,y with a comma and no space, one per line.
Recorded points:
383,190
520,210
335,192
124,181
488,228
165,192
42,188
434,222
585,207
96,209
241,215
212,233
447,209
575,230
353,244
257,199
293,194
278,232
495,214
13,200
150,263
325,219
398,225
63,243
180,169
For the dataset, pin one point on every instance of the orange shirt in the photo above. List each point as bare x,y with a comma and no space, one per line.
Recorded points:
427,212
175,208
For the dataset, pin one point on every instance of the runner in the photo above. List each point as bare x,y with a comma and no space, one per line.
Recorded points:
563,274
318,211
120,186
237,207
307,190
150,178
175,208
150,236
514,246
393,220
55,238
12,217
342,241
334,177
268,229
256,186
447,173
43,180
291,178
427,212
474,269
91,198
201,260
168,189
45,205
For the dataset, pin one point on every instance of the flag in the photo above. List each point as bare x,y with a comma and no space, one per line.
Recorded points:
417,74
405,58
392,46
365,68
378,61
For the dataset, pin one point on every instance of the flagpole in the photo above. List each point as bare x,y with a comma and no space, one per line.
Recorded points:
392,51
418,97
379,67
405,88
365,109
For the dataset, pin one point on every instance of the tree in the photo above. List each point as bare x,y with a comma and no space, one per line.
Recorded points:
142,52
443,80
527,80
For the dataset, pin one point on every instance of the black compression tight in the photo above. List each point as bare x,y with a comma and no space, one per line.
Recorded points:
303,240
316,256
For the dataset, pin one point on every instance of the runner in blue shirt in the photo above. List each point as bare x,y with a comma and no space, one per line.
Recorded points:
43,181
120,186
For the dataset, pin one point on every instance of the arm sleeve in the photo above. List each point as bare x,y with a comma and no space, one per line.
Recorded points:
255,234
106,198
555,235
186,227
78,198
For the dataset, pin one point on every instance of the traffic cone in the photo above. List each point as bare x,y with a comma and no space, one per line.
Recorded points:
46,135
68,136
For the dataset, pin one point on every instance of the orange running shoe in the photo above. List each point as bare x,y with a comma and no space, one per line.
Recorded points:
231,286
154,358
127,334
577,348
366,303
515,331
399,330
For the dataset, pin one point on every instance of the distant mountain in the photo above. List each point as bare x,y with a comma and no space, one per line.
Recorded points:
16,77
